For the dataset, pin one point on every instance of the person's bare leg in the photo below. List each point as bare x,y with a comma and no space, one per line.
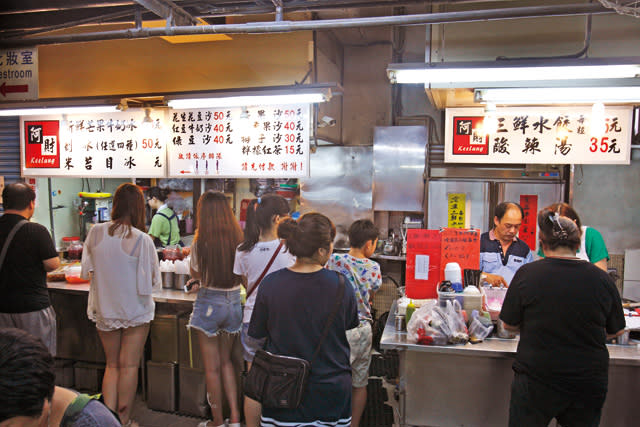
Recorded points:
111,345
229,376
252,408
358,402
209,347
133,340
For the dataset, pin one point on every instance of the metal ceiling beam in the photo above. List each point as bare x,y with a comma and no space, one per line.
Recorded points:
166,9
288,26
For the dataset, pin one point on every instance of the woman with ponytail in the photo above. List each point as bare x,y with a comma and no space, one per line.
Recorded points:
565,308
293,307
259,254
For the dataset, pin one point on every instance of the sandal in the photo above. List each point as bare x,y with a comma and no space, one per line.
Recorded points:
206,424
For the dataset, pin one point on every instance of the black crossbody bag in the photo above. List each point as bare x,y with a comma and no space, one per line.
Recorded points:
280,381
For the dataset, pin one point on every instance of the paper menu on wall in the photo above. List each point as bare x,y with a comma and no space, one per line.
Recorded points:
461,246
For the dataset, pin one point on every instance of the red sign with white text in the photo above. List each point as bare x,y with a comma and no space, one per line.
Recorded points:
468,137
42,144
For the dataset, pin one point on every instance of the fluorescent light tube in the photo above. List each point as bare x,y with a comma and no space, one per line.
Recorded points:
250,100
59,110
497,74
560,95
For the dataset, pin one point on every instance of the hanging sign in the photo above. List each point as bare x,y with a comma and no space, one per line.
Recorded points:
549,135
18,74
528,228
254,142
456,204
113,145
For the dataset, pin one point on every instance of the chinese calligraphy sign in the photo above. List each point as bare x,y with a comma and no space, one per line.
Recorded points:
549,135
266,141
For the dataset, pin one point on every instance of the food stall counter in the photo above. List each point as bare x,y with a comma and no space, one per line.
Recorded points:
470,384
162,295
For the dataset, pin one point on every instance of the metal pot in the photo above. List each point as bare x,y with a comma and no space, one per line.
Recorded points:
167,279
179,280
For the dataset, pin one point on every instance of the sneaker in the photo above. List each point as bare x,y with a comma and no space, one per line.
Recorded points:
209,423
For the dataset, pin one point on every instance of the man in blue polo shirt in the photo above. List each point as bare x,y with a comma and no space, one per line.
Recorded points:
502,253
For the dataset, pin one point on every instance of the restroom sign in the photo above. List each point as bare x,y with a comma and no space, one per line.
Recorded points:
19,74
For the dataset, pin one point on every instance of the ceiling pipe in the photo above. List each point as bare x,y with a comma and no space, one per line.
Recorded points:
288,26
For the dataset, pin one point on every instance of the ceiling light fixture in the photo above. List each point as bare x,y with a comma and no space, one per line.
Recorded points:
558,95
58,110
590,71
277,95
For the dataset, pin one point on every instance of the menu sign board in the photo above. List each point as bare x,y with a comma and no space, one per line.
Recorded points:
115,145
254,142
549,135
461,246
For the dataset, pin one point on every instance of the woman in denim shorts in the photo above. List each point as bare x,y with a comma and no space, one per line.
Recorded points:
217,311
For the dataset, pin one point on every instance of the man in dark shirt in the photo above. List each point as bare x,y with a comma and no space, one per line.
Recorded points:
24,299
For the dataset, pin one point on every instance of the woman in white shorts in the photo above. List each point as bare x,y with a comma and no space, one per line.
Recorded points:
121,260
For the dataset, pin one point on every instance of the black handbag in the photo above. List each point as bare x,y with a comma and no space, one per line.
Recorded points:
280,381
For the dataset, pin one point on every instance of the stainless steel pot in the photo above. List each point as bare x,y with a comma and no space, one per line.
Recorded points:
167,279
179,280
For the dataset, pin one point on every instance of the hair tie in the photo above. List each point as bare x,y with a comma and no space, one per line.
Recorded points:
558,231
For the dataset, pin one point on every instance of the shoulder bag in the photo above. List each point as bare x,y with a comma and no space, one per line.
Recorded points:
7,242
264,272
280,381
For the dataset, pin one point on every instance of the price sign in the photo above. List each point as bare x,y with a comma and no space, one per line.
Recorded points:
265,142
114,145
549,135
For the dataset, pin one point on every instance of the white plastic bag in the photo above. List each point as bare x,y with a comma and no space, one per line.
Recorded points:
419,330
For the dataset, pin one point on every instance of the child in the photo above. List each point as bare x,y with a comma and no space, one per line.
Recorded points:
364,276
252,257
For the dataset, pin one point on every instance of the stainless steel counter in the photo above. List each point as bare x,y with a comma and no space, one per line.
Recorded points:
163,295
470,384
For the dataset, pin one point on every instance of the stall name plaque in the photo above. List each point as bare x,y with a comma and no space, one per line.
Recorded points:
548,135
115,145
254,142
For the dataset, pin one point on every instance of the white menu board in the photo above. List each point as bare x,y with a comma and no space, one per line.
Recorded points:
114,145
550,135
254,142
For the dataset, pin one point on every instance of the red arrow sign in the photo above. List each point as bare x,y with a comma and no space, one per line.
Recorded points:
183,172
5,88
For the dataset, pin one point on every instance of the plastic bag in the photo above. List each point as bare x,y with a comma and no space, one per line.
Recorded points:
419,330
458,328
477,331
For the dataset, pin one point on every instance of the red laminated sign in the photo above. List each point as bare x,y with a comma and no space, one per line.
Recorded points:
41,144
423,263
468,137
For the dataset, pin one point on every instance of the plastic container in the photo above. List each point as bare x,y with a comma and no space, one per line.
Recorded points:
410,309
453,273
75,250
471,299
72,274
494,297
443,297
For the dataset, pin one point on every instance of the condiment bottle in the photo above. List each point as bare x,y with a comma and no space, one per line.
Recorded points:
410,309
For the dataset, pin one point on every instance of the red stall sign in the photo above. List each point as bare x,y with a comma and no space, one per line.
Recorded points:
527,233
461,246
423,263
41,140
